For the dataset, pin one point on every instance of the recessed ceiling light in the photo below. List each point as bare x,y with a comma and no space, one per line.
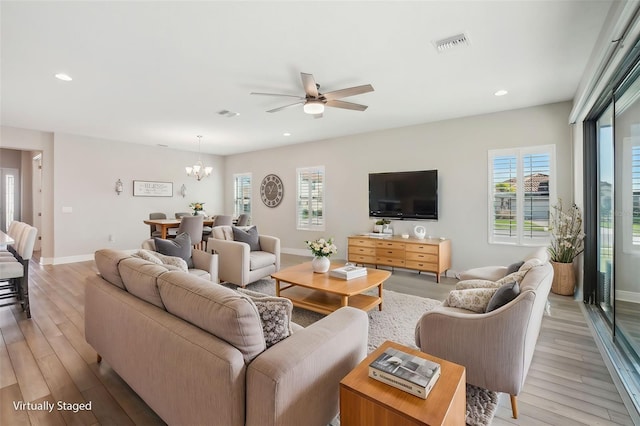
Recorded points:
501,92
63,77
286,134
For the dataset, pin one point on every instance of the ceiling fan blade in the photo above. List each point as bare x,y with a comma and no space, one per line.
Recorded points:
285,107
351,91
346,105
309,84
276,94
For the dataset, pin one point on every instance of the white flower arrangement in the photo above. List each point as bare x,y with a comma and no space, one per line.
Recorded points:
322,247
567,238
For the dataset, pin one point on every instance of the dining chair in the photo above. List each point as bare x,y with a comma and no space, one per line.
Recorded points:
192,225
243,220
155,229
223,220
16,271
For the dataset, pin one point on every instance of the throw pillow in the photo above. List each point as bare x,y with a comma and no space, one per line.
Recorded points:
503,295
473,299
180,246
250,236
149,256
514,267
275,313
465,284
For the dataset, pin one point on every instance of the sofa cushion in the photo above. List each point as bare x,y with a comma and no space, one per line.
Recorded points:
260,259
275,314
107,263
503,295
140,278
223,232
250,236
216,309
473,299
180,246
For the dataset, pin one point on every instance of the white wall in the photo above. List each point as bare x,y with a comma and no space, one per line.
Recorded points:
457,148
86,171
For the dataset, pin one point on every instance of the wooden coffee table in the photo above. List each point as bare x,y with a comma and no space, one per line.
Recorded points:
366,402
323,293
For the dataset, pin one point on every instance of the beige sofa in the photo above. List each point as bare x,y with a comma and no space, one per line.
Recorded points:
496,347
194,350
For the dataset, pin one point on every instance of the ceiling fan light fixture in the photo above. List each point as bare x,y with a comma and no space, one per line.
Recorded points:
313,107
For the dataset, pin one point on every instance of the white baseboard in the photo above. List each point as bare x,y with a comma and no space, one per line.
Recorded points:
628,296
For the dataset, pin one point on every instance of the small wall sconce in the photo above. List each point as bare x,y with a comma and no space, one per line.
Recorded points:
119,187
183,191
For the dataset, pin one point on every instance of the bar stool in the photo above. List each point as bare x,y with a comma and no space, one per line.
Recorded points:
16,272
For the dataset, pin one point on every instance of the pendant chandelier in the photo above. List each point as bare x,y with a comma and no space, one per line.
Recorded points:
198,170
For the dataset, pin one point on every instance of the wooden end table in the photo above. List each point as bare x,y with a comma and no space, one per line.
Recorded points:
367,402
323,293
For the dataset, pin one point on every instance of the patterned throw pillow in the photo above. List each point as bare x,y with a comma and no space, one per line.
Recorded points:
162,259
473,299
465,284
275,313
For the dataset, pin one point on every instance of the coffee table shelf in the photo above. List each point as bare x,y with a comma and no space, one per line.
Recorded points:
325,303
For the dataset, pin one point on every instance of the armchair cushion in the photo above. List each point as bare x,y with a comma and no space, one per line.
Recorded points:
250,236
503,295
180,246
260,259
275,314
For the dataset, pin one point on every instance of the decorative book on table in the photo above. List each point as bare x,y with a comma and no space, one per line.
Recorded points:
348,272
405,371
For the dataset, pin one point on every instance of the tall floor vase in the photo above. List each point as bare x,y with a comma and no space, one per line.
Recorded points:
564,279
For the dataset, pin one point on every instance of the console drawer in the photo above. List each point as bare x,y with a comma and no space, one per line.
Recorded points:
422,266
385,252
422,248
390,245
358,258
422,257
362,242
389,261
363,251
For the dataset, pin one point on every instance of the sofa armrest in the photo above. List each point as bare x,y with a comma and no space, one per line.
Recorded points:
207,262
233,259
298,378
491,273
272,245
491,346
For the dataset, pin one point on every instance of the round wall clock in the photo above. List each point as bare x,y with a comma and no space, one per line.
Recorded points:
271,190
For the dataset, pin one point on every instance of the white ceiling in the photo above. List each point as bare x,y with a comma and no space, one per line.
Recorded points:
158,72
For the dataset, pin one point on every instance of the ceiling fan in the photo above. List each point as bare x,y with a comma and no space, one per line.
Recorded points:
314,102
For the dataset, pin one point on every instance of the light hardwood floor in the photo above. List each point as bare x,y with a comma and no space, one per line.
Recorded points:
47,359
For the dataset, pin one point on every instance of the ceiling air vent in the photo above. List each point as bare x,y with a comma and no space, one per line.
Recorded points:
446,44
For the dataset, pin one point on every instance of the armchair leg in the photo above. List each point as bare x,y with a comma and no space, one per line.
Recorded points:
514,406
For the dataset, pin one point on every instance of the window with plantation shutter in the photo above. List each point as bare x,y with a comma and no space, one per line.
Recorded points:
310,201
241,194
521,187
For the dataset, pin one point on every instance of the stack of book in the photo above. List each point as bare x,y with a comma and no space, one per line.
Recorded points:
348,272
405,371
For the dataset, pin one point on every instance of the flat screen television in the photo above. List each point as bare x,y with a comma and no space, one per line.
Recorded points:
404,195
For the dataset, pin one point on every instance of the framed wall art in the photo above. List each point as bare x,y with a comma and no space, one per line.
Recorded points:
145,188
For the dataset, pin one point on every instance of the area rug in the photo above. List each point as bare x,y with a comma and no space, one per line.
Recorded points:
397,322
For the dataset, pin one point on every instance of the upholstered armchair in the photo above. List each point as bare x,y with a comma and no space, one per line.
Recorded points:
241,264
495,347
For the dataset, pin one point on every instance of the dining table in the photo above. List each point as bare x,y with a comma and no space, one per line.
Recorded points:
165,224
